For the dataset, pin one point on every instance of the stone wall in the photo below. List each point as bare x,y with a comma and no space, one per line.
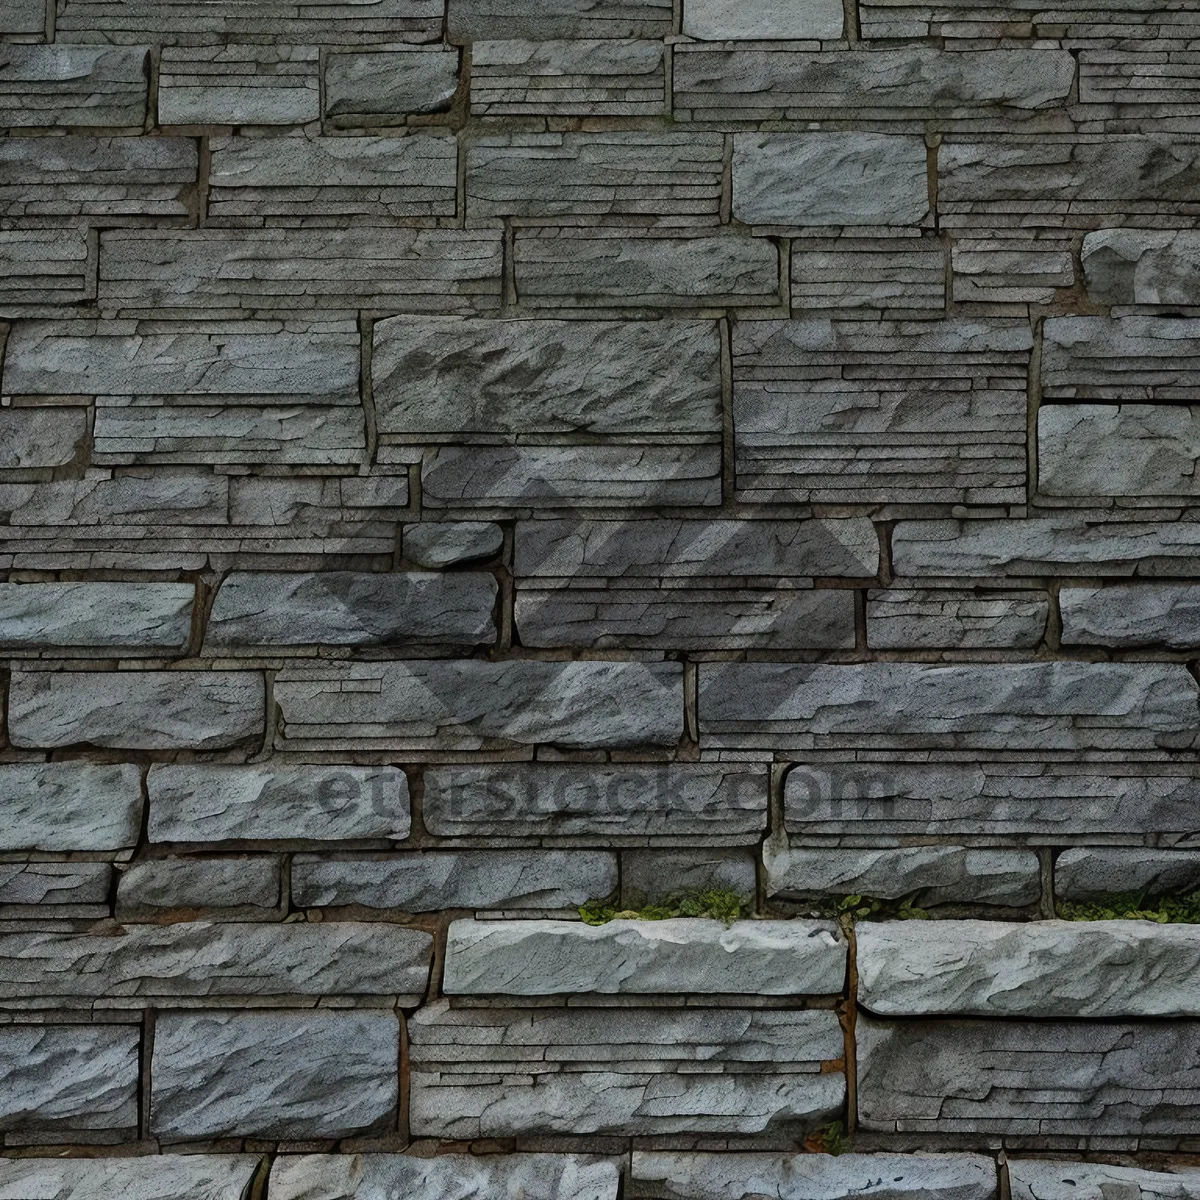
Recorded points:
460,464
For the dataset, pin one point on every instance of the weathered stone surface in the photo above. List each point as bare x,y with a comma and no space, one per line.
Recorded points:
497,1176
1033,1179
1147,615
655,875
966,20
619,1071
436,544
619,801
239,85
40,437
877,276
916,619
69,806
40,267
977,1077
433,880
202,802
23,16
1092,873
73,85
150,1177
700,1176
1039,969
352,609
829,179
50,883
471,20
468,704
165,964
76,1078
130,615
1142,266
715,20
282,1074
926,874
1019,269
385,84
1042,705
142,710
623,957
247,888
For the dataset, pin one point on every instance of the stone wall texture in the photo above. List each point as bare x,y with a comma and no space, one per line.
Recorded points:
465,459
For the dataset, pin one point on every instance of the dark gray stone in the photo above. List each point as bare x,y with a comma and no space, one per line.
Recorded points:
390,83
1095,873
69,806
242,888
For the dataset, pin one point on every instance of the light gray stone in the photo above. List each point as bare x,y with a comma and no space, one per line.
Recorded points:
887,277
246,888
690,956
717,20
678,1175
1093,873
203,802
496,1176
201,961
1147,614
69,806
471,704
282,1074
992,706
1037,969
470,20
429,881
436,544
655,875
239,85
50,883
829,179
925,874
347,608
40,267
624,1071
1142,266
1034,1179
726,801
149,1177
390,83
927,619
142,710
73,85
130,615
990,1077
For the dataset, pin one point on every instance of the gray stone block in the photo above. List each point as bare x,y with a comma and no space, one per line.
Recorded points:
928,619
374,86
470,20
45,267
470,704
1034,1179
1023,268
726,801
436,544
203,802
231,888
504,1072
239,85
829,179
69,1079
201,962
130,615
1142,266
73,85
1094,873
1144,615
149,1177
23,16
660,874
877,276
352,609
70,806
141,710
718,20
51,883
429,881
281,1074
688,956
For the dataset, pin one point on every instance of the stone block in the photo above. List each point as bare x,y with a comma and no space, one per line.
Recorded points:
23,17
149,1177
1147,614
473,20
239,85
43,268
1095,873
869,276
230,888
1142,266
73,85
130,615
720,20
1032,1179
657,875
437,544
372,87
55,883
928,619
1011,270
70,806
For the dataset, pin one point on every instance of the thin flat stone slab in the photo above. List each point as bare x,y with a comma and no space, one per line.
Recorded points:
149,1177
69,806
73,85
720,20
1149,614
624,957
1036,969
1131,1079
499,1072
239,85
1037,1179
927,619
680,1175
51,883
45,267
1095,873
280,1074
202,961
1142,266
378,87
495,1176
471,20
877,276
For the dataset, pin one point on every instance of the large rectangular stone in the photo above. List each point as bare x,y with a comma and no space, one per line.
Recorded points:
1033,1179
35,438
475,20
381,87
208,802
1023,268
505,1072
717,20
133,616
70,806
1096,873
46,267
628,957
152,1176
203,962
992,706
239,85
1142,266
884,277
142,710
1144,614
928,619
73,85
298,1075
47,884
248,889
23,17
471,704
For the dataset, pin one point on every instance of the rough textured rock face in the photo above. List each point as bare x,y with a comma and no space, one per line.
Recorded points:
599,599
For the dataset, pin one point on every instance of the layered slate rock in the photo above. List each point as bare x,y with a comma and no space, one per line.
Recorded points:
682,955
978,1076
893,412
74,85
436,544
1096,873
70,806
70,1081
434,880
204,802
1150,614
69,888
200,961
474,20
380,87
279,1074
1023,267
716,20
45,268
920,619
239,85
468,704
152,1176
621,802
1142,266
679,1175
1135,359
1039,969
1049,705
39,437
1034,1179
883,277
246,889
619,1071
502,1176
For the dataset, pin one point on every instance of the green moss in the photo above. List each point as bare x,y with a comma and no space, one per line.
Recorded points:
861,908
829,1140
718,903
1134,906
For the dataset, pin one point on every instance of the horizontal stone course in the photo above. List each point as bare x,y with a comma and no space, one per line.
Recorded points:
43,86
243,888
70,806
1033,1179
152,1176
1096,873
381,86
